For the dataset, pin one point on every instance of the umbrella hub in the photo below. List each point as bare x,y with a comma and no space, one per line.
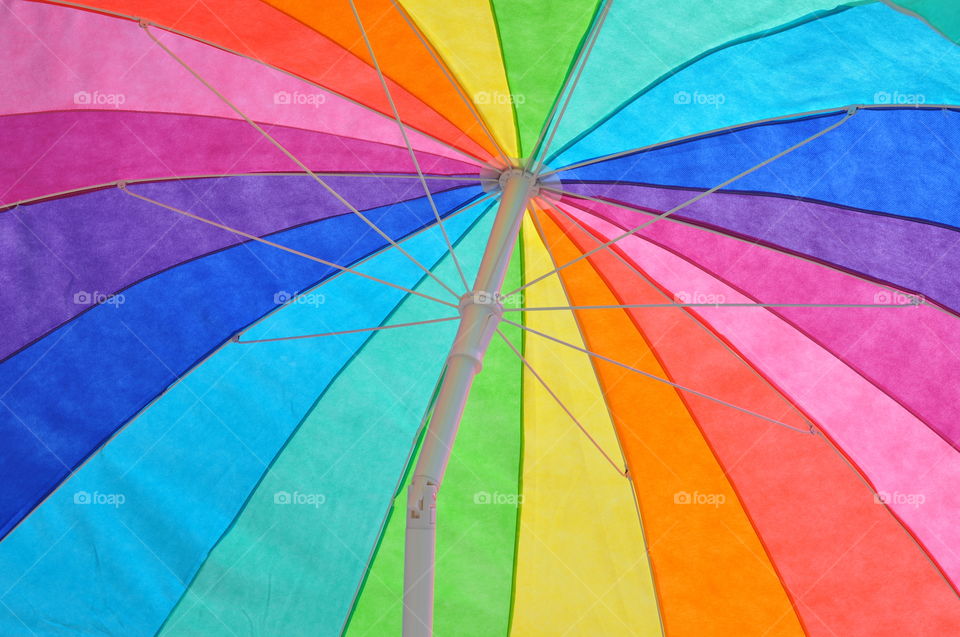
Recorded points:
511,174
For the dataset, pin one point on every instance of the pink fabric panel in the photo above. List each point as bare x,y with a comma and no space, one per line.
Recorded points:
899,454
56,58
912,353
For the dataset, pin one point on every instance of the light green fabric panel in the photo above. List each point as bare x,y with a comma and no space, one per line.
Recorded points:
540,41
477,514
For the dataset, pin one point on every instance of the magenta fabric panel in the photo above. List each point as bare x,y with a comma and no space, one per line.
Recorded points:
914,255
61,151
912,354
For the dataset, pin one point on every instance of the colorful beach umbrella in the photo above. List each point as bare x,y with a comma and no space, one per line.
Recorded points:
475,318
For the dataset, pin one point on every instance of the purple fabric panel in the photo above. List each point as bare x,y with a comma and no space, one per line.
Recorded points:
57,256
913,353
916,256
45,153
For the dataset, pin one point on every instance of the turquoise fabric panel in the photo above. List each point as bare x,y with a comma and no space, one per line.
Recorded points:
114,548
295,557
864,55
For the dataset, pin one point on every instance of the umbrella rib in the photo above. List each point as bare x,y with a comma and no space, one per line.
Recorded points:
655,305
699,323
456,86
292,157
278,246
406,141
358,331
913,300
658,378
734,127
581,63
689,202
559,402
916,299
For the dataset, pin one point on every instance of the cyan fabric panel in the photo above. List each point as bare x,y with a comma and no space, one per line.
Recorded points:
111,361
865,55
114,548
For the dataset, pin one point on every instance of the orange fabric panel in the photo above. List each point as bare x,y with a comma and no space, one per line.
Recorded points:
400,53
712,574
840,554
257,30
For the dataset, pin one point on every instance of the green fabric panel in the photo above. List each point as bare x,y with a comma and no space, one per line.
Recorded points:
475,541
642,41
540,41
944,15
279,569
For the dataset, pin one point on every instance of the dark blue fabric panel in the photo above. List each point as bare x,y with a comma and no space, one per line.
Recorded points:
899,161
63,396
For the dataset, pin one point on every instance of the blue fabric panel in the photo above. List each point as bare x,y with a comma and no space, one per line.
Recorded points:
113,549
898,161
111,361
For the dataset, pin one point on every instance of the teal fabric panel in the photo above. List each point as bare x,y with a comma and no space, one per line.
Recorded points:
114,548
293,568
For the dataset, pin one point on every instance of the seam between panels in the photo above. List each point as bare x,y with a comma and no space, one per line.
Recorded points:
370,65
613,423
849,364
381,533
273,126
412,456
696,422
170,29
571,67
454,80
468,180
376,251
139,411
828,439
743,238
506,75
789,118
781,317
520,420
296,430
811,17
754,193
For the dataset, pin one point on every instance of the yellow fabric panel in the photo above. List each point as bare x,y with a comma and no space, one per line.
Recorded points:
582,567
465,35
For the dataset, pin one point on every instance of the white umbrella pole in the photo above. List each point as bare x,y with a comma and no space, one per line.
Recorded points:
480,313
